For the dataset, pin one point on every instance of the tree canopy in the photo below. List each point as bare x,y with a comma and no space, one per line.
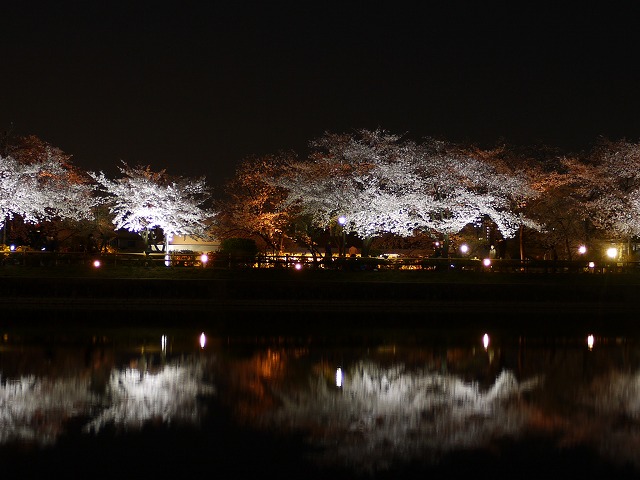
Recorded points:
142,200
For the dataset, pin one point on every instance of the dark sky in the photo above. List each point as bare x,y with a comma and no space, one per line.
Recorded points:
194,87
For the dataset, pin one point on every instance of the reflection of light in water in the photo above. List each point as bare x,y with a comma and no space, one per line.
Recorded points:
485,341
590,342
203,340
163,343
339,377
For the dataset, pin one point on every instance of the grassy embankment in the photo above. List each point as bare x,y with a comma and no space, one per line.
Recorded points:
426,295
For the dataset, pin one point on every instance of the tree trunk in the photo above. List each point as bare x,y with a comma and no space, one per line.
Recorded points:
366,246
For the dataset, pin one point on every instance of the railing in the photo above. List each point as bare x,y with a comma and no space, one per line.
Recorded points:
222,261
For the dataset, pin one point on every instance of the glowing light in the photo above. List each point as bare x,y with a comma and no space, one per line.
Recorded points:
342,219
464,248
592,264
298,266
167,260
204,258
339,377
97,264
203,340
12,247
486,262
590,341
612,252
163,343
485,341
582,249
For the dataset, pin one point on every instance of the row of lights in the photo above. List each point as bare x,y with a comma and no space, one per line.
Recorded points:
204,258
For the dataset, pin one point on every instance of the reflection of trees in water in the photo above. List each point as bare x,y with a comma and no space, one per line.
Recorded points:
395,406
610,417
386,413
37,409
250,381
170,395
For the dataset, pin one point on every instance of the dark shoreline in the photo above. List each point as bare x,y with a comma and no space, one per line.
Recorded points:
283,301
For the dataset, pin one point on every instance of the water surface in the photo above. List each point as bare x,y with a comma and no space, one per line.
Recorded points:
155,402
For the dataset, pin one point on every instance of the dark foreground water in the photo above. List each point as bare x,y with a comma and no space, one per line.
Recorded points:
147,403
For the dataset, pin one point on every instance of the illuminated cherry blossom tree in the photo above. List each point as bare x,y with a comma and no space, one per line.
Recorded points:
143,200
253,207
42,190
614,183
383,183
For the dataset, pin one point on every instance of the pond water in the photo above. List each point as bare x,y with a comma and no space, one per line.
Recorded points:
144,402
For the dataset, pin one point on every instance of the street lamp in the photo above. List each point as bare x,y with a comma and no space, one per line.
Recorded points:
342,220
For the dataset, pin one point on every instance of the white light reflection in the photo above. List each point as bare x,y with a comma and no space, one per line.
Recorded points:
485,341
590,341
203,340
169,395
36,410
401,412
163,343
339,377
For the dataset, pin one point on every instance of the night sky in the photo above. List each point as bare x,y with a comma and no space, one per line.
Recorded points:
195,87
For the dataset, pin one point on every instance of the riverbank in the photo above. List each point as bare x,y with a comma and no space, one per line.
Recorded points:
292,301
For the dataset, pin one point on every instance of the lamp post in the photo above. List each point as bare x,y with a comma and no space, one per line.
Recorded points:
342,220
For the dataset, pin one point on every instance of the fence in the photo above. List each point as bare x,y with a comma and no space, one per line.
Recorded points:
223,261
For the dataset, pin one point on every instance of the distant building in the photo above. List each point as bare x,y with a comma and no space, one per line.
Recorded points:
180,243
